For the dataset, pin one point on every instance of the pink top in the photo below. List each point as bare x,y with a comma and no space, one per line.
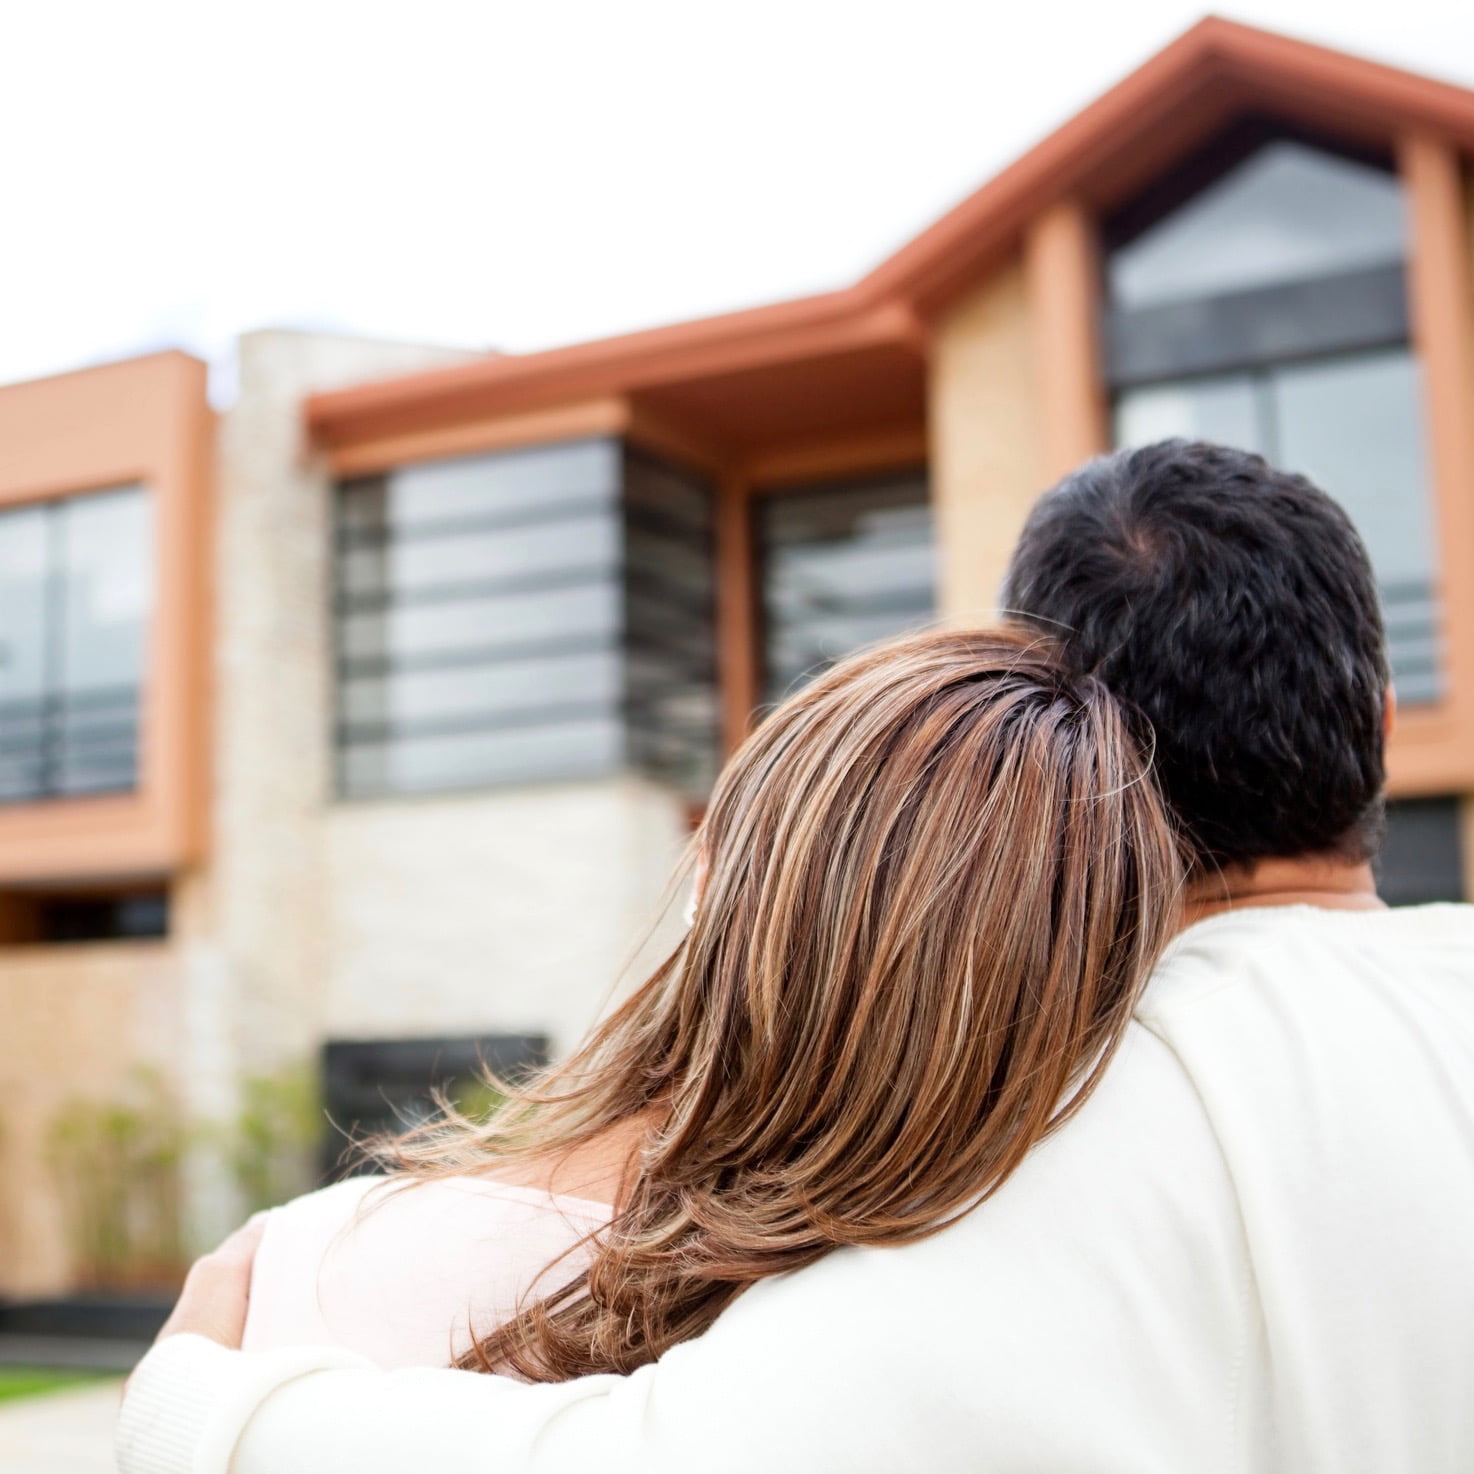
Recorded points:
401,1275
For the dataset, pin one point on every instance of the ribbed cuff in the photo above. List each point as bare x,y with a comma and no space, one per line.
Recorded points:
190,1398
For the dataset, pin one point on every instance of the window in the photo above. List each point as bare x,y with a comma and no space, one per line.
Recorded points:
670,625
1268,310
1286,213
377,1087
1422,855
532,615
76,596
31,917
842,566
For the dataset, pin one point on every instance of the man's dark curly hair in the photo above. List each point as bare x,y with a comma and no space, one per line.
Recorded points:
1232,607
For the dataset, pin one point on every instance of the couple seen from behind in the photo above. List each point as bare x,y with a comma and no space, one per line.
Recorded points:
1040,1086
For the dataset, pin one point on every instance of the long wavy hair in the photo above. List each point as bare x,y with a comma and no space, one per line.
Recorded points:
935,880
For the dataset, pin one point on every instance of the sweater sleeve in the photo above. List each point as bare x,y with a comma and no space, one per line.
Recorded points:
779,1385
189,1398
1109,1273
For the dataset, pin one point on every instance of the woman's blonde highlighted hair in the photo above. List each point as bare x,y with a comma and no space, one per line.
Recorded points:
936,878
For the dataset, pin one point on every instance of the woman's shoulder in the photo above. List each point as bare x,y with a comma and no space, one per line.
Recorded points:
468,1198
400,1270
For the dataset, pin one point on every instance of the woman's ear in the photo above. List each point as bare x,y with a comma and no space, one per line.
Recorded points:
1389,714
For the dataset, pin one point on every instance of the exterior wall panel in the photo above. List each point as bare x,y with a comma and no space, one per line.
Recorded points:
986,461
504,911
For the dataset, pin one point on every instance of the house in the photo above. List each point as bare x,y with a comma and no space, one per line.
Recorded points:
378,709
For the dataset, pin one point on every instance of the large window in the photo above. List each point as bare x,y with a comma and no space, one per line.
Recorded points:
76,595
524,616
1262,304
842,566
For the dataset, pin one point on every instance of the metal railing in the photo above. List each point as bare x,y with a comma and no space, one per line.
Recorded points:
79,742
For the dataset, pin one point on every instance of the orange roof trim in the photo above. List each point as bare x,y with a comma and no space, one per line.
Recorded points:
1217,70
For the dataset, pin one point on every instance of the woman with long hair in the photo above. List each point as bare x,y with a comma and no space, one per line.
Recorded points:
931,884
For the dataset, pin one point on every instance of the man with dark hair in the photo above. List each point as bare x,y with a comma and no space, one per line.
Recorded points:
1251,1250
1232,607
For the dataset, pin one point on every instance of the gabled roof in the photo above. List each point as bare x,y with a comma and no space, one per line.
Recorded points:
1212,73
1215,72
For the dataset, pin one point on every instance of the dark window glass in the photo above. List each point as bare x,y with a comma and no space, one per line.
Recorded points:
33,917
531,485
842,566
373,1087
453,563
1288,268
76,596
474,627
508,619
670,651
555,746
1286,213
479,621
1422,856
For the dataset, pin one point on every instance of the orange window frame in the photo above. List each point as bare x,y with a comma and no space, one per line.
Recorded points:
146,421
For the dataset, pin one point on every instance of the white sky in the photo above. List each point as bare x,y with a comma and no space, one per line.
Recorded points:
522,173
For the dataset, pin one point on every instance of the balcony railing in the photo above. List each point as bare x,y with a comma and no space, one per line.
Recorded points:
83,742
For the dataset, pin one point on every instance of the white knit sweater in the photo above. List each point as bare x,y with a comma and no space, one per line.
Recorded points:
1253,1250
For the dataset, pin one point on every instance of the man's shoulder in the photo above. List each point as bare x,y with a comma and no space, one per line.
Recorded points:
1307,949
1134,1179
1081,1271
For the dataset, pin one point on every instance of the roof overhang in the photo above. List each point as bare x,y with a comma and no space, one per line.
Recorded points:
822,364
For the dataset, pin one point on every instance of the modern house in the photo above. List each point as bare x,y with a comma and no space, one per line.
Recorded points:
378,709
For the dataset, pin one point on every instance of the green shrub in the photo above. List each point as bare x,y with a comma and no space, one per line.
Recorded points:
117,1167
271,1145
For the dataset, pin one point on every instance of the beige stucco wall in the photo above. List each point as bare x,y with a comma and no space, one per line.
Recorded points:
506,911
986,439
78,1021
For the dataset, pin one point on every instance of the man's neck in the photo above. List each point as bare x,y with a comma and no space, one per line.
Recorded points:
1310,881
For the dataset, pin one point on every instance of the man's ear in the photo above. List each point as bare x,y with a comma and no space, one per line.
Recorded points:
1389,714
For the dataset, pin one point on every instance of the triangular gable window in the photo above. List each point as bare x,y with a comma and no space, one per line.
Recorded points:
1287,213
